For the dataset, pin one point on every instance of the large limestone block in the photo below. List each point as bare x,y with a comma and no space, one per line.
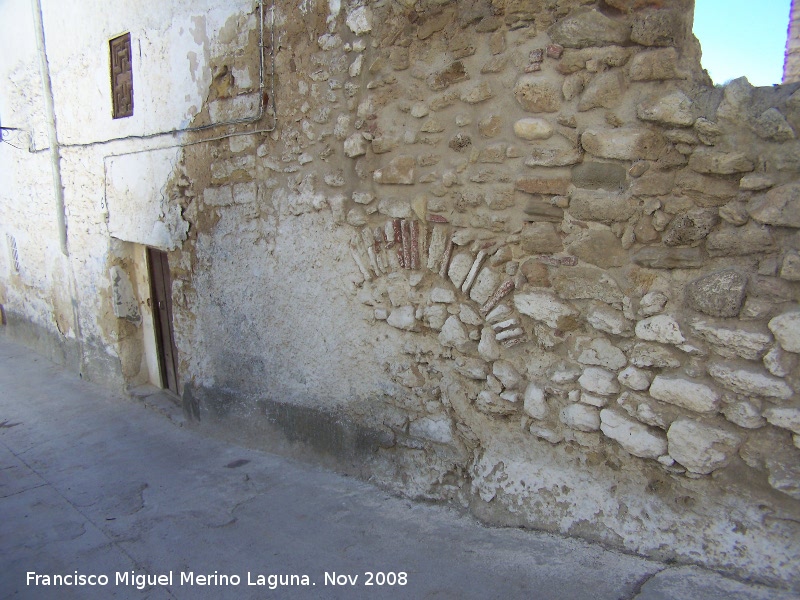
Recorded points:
588,27
784,417
604,91
581,417
403,317
654,65
532,128
658,257
706,160
624,143
675,109
400,170
780,206
543,306
660,328
635,379
684,393
599,381
656,28
699,447
586,282
749,382
646,354
454,334
600,352
739,241
471,368
609,320
599,246
537,94
719,294
786,328
638,439
690,227
535,402
601,206
732,342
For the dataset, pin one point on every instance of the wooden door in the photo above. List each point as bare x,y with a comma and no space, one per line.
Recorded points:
161,294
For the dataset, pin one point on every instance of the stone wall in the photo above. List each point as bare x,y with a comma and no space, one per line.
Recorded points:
533,250
520,256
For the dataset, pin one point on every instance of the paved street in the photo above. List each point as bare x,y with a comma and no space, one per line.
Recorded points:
95,485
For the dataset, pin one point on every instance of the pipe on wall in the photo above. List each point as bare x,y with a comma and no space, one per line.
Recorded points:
50,117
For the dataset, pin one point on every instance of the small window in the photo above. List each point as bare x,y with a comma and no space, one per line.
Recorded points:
121,76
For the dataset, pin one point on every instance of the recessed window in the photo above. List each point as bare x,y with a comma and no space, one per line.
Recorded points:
121,76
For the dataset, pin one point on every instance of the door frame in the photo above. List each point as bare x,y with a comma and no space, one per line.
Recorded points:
161,296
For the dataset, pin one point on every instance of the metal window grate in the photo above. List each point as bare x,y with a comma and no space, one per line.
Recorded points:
12,246
121,76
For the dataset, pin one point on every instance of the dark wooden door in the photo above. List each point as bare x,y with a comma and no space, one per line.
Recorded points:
161,294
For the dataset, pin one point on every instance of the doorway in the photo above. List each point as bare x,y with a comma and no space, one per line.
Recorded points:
161,294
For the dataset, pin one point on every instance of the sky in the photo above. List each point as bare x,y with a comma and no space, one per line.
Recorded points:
742,37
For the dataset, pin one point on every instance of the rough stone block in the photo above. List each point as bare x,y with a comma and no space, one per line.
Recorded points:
786,328
660,328
599,246
719,163
601,206
599,175
587,282
732,343
599,381
635,379
772,125
124,302
604,91
719,294
451,74
471,368
654,65
656,257
600,352
543,306
400,170
638,439
403,317
780,206
581,417
749,382
784,417
684,393
546,186
609,320
739,241
553,157
540,238
699,447
533,128
656,28
537,94
690,227
588,27
646,355
675,109
623,143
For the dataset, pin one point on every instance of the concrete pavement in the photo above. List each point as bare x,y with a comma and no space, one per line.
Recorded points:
95,484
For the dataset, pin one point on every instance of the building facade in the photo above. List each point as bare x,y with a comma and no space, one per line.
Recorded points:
518,256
